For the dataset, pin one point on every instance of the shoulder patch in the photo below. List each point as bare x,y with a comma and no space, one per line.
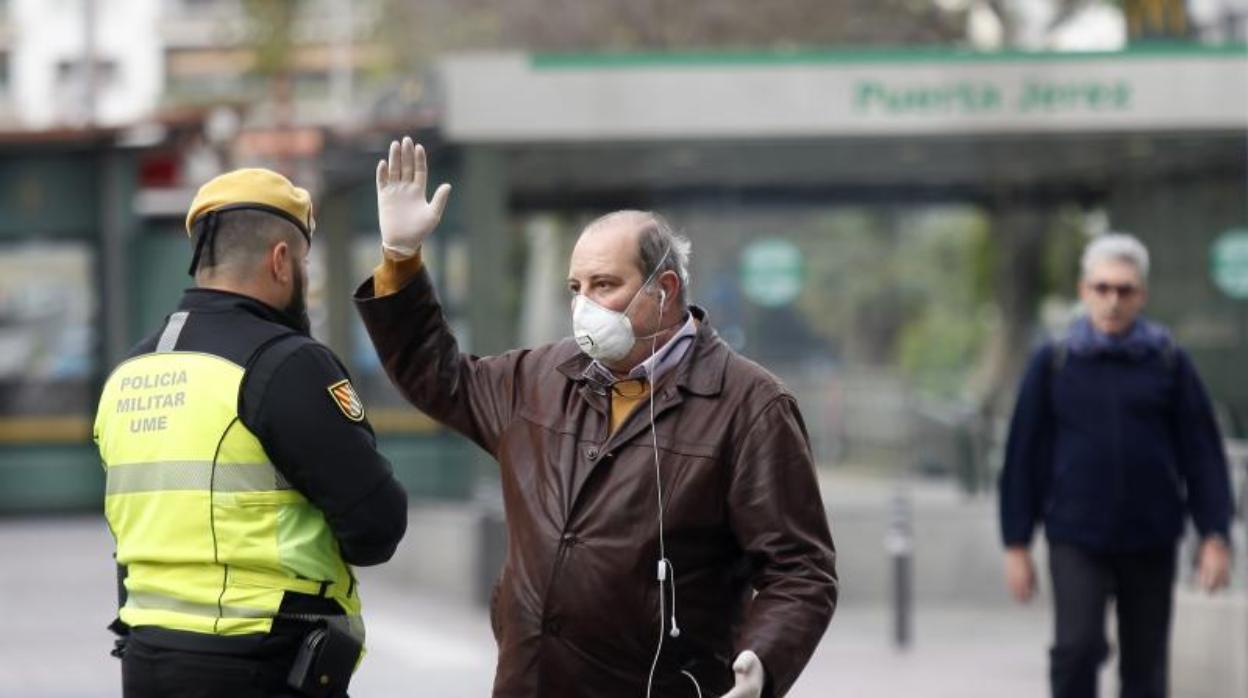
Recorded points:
348,401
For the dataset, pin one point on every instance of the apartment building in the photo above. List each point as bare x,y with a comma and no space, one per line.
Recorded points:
147,55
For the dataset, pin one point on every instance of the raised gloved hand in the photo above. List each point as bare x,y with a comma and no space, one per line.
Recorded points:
750,676
403,214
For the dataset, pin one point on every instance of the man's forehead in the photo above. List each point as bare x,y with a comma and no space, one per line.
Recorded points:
1113,269
620,228
610,248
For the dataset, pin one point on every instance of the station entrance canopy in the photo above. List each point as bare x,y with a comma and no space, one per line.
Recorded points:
520,98
903,126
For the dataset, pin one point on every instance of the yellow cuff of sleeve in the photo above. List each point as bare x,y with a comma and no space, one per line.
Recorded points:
391,274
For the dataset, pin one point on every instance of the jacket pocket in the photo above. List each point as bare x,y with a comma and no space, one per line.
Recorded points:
549,419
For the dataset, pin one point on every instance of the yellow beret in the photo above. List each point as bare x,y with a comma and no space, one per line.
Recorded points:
254,188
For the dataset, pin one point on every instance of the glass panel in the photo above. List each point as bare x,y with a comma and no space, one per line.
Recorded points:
47,304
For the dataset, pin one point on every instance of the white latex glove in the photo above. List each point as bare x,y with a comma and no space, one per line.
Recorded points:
750,676
403,215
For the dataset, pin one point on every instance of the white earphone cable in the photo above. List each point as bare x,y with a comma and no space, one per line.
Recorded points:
696,687
661,574
665,566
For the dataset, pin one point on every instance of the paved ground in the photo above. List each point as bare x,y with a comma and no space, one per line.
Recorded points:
56,595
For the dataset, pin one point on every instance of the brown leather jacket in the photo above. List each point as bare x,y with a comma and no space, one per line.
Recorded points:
576,609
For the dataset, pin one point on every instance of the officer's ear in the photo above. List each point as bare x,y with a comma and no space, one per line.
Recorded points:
280,262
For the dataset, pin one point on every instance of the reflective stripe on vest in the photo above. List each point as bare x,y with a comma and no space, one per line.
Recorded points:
212,535
191,476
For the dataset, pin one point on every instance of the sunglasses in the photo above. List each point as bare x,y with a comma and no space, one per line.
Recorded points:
1123,291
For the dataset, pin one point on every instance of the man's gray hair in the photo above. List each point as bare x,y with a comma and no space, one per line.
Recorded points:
659,247
1116,246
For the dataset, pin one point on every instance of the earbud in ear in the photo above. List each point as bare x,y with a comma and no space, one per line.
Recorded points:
662,296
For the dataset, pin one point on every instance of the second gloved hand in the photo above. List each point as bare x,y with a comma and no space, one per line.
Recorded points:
750,676
403,214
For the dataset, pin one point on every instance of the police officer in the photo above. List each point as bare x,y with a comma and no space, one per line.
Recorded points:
243,479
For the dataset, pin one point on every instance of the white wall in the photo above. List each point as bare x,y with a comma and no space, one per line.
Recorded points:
48,33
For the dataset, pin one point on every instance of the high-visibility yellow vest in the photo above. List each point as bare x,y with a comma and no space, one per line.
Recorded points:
210,532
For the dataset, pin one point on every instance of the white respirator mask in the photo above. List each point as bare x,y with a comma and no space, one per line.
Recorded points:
604,334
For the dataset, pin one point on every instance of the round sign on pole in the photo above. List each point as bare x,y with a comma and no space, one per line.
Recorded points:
771,272
1228,263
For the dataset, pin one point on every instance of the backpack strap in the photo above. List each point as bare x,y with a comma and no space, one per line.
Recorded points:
1061,352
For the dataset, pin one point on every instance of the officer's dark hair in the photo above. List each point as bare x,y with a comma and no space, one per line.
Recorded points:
242,238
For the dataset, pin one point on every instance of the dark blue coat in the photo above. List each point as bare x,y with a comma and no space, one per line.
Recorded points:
1111,445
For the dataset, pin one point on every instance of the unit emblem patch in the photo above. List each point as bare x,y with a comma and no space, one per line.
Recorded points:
347,400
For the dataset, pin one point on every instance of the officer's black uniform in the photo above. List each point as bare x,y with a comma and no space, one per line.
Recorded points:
330,459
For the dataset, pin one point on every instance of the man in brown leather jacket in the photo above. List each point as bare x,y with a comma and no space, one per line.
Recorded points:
665,527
